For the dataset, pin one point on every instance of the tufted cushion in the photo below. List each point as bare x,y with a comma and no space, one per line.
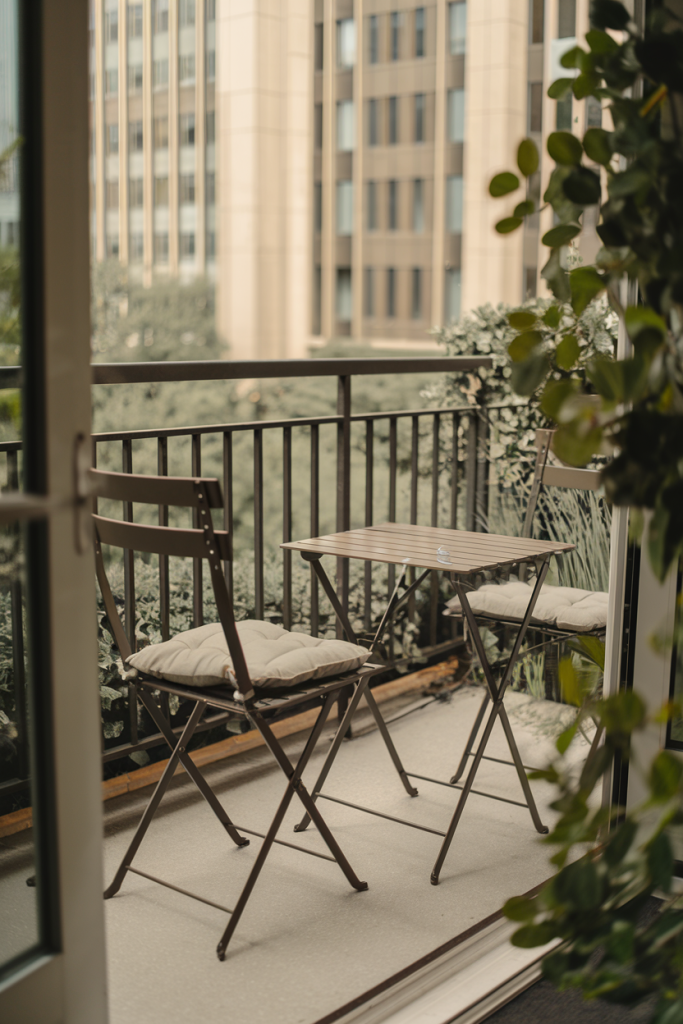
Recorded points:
569,608
275,657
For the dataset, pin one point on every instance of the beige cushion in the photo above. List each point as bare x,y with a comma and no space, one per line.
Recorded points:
275,657
568,608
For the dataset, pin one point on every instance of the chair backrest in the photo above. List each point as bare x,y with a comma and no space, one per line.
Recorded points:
554,476
200,493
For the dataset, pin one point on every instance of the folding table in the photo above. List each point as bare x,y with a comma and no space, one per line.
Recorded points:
462,555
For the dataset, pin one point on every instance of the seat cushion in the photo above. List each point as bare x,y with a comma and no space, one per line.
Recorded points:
566,608
276,657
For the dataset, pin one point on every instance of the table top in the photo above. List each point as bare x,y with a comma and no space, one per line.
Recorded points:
429,547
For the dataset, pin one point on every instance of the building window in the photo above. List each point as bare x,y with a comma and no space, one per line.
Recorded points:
160,18
210,245
535,106
395,34
420,32
210,10
160,74
536,19
344,207
563,114
111,26
134,77
135,136
210,196
566,19
369,292
112,195
393,120
211,126
372,206
418,206
392,211
457,28
135,193
452,295
318,207
346,43
160,132
419,117
186,67
186,13
318,46
112,246
593,112
391,292
135,21
416,294
161,247
187,129
456,115
454,193
135,247
373,41
373,122
211,65
111,82
161,191
343,296
186,183
317,299
186,245
318,126
530,275
112,139
346,127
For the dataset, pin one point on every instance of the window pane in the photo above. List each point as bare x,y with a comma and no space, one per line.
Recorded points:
318,47
372,206
416,295
420,32
452,295
186,12
159,16
187,188
418,206
392,218
374,39
135,193
373,122
566,19
160,132
346,128
454,204
563,114
419,117
395,34
456,115
160,74
343,303
457,27
369,292
346,43
344,207
391,292
536,21
187,129
161,191
135,21
535,106
393,120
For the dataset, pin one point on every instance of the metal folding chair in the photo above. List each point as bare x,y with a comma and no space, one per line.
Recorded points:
260,707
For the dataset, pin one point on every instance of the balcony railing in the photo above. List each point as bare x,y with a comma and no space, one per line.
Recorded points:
433,462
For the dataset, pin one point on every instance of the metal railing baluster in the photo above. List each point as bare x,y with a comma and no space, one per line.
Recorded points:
414,477
129,592
434,579
258,523
369,496
18,654
393,458
164,581
455,468
315,520
286,526
228,523
197,567
343,484
471,471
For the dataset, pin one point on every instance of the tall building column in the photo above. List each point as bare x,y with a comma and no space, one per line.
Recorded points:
101,241
200,139
357,276
147,147
328,233
439,208
173,143
123,132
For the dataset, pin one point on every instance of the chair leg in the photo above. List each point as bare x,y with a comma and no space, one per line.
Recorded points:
389,743
160,789
471,739
528,795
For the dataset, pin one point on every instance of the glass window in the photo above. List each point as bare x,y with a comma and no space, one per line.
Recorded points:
566,19
395,34
452,295
210,10
373,122
593,112
210,196
418,206
161,191
135,193
211,126
111,25
161,247
344,207
563,114
187,129
530,275
186,188
536,21
372,206
186,245
318,126
160,132
112,138
210,65
160,74
535,106
160,23
135,136
454,193
111,81
135,246
393,120
134,77
318,46
457,27
416,294
391,292
186,13
419,117
346,43
456,115
210,245
369,292
186,67
318,207
112,245
420,32
135,21
392,202
346,126
112,195
373,40
343,297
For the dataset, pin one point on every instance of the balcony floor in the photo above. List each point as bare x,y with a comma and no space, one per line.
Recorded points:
307,943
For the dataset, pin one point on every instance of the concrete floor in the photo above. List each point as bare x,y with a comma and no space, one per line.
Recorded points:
307,942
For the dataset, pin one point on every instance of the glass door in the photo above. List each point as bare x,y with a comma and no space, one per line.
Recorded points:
51,916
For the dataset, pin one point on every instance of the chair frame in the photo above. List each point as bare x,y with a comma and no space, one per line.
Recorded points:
240,699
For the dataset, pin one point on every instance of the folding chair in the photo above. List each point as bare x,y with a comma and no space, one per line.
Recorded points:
561,613
234,666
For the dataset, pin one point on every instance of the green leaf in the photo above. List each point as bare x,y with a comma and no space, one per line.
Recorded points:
600,42
508,224
620,842
525,209
660,861
565,738
557,277
521,347
585,84
575,447
666,772
578,885
593,648
552,317
624,712
632,180
669,1013
582,187
640,318
565,148
555,394
503,183
560,87
621,941
560,235
531,935
585,284
573,58
521,319
596,143
569,682
609,14
519,908
527,157
527,376
567,352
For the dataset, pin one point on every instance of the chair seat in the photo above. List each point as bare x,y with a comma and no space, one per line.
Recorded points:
564,608
276,658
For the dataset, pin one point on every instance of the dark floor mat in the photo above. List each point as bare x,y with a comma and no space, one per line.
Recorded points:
541,1004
